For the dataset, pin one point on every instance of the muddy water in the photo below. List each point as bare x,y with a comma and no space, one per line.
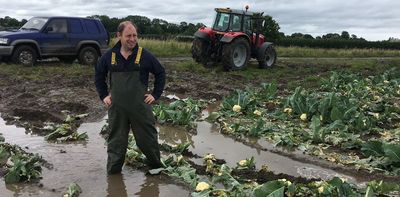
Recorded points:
209,140
85,165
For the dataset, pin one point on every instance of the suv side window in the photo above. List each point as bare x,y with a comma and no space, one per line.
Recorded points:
91,26
75,26
58,25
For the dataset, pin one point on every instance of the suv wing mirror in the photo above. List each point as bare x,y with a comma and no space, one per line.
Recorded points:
48,29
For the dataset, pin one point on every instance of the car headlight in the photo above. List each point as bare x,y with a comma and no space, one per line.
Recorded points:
3,40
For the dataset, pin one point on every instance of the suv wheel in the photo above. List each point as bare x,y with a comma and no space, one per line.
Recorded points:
236,54
24,55
88,56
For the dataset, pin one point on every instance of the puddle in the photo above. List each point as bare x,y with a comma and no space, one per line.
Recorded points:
84,164
209,140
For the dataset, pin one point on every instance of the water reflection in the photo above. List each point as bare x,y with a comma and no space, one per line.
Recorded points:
150,187
116,186
172,135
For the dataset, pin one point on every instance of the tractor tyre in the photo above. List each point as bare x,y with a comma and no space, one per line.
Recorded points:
25,55
199,51
236,55
267,58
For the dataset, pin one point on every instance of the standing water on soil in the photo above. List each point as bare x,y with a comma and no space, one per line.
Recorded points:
209,140
84,164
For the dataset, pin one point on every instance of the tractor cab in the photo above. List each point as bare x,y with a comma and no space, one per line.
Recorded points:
233,39
230,20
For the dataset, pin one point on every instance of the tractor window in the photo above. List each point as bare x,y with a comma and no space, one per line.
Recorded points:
236,23
247,24
221,22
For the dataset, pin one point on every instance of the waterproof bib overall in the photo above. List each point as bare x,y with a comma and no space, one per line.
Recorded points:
129,111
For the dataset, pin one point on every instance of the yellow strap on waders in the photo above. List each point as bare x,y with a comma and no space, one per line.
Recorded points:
137,60
138,55
113,60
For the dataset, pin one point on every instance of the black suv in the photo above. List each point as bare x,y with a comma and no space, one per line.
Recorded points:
66,38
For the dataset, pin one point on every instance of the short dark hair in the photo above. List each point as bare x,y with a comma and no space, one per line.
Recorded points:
123,24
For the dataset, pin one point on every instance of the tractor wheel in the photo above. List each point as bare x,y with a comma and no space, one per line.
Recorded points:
25,55
199,51
236,55
267,58
88,56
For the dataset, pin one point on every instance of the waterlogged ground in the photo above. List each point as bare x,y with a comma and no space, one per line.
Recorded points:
84,164
30,96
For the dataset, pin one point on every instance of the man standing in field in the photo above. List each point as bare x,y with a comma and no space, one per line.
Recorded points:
129,105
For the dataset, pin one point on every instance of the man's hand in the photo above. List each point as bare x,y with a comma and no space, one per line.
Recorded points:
107,100
149,99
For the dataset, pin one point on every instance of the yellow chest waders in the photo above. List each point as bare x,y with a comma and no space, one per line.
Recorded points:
128,111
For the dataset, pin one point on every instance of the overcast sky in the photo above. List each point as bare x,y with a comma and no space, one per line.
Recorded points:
370,19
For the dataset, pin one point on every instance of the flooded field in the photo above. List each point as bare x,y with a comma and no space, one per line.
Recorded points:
84,163
31,96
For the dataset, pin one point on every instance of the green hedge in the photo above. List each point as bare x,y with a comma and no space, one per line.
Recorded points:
338,43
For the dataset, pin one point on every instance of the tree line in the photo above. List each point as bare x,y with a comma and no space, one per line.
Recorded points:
162,29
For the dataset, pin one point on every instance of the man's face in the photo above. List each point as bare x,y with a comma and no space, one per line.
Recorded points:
128,37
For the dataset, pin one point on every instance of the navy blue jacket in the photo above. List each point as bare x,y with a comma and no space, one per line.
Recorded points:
148,64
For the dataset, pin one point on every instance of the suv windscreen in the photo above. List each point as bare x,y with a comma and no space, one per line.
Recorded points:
34,24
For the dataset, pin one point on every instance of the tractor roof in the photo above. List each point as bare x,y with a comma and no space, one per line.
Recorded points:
235,11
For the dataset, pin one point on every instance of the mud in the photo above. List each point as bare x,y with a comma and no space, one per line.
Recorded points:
29,103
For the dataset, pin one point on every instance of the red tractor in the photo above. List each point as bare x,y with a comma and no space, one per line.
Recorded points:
232,40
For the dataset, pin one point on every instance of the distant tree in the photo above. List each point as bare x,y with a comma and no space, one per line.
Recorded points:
271,29
159,26
345,35
297,35
191,28
23,21
308,36
331,36
11,22
143,23
281,35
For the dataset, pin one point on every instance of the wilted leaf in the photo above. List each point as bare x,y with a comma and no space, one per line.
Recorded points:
370,192
372,148
156,171
392,151
277,193
213,116
74,190
267,188
12,176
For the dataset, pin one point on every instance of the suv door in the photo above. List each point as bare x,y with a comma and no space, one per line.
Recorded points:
76,32
54,40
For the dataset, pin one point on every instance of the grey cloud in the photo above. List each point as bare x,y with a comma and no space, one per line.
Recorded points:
369,18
